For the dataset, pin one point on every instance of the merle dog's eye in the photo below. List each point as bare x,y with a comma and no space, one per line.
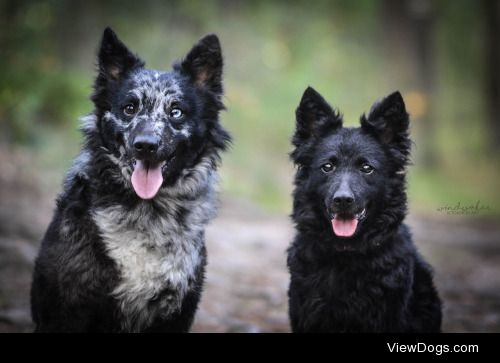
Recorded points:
328,167
130,109
176,113
367,168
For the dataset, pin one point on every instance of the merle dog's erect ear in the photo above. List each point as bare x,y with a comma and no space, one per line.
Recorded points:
115,60
315,117
203,64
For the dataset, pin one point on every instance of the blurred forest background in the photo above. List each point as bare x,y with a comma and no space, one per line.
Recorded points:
443,55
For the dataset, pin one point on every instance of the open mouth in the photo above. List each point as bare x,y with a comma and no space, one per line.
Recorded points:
346,225
147,177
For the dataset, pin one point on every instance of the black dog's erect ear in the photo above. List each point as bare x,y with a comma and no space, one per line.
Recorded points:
389,122
203,64
115,60
387,119
314,117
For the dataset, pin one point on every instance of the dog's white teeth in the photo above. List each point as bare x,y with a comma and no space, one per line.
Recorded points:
361,214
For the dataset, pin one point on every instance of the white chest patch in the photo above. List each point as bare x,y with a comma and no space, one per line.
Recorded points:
157,255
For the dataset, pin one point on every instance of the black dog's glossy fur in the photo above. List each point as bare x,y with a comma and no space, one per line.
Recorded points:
373,280
112,261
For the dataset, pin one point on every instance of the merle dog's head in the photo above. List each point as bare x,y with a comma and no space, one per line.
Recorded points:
351,180
156,123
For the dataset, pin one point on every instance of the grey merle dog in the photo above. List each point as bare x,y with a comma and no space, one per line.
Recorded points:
353,264
125,249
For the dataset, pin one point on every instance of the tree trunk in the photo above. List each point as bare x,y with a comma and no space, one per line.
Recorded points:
492,70
409,27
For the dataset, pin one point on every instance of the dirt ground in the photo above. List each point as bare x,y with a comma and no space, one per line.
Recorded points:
247,278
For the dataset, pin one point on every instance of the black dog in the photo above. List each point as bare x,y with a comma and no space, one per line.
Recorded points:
125,250
353,265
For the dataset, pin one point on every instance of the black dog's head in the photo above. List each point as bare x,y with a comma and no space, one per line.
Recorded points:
351,179
157,123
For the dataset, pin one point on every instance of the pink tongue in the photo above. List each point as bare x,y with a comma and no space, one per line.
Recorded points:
344,227
146,181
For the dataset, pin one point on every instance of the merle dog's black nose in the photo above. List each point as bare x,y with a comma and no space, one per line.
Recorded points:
343,200
146,145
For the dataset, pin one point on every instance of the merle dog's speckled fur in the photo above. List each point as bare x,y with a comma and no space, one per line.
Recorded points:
111,261
375,280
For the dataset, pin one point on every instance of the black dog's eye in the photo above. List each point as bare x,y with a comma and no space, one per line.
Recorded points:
176,113
328,167
130,109
367,168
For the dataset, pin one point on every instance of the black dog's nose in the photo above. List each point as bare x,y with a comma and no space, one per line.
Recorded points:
343,200
146,145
